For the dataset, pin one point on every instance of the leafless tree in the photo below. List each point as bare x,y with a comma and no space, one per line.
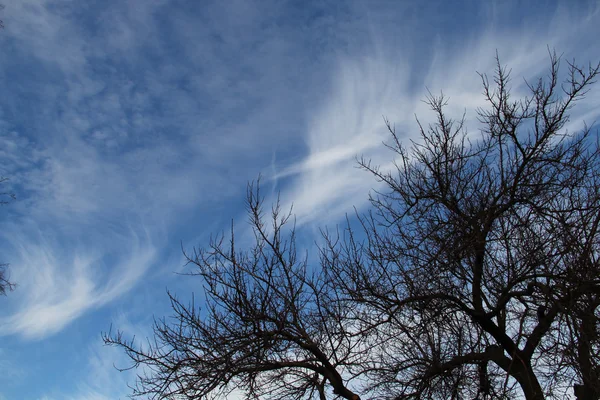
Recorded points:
271,326
474,275
5,283
481,257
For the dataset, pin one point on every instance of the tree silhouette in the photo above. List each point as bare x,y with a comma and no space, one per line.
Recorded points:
474,275
5,284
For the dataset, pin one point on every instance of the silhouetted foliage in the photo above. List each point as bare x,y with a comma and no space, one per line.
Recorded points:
478,275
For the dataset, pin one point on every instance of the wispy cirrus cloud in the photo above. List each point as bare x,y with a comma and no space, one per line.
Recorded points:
129,126
387,80
349,122
114,153
57,287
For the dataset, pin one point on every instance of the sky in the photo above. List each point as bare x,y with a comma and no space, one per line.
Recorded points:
130,128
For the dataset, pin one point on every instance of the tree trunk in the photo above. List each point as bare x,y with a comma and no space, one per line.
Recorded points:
590,388
585,392
528,381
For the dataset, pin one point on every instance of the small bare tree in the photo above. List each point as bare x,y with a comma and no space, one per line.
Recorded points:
474,275
5,283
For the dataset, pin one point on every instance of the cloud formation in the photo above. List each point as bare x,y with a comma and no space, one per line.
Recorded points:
383,81
57,288
127,127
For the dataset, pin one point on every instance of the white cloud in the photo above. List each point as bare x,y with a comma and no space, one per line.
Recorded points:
348,123
103,160
128,117
56,288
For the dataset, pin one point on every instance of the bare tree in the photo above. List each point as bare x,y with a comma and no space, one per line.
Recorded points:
5,283
270,328
481,257
474,275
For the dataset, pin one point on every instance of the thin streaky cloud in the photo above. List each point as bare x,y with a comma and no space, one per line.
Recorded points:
61,288
129,127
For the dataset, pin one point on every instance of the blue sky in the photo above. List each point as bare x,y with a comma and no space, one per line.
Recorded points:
129,127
